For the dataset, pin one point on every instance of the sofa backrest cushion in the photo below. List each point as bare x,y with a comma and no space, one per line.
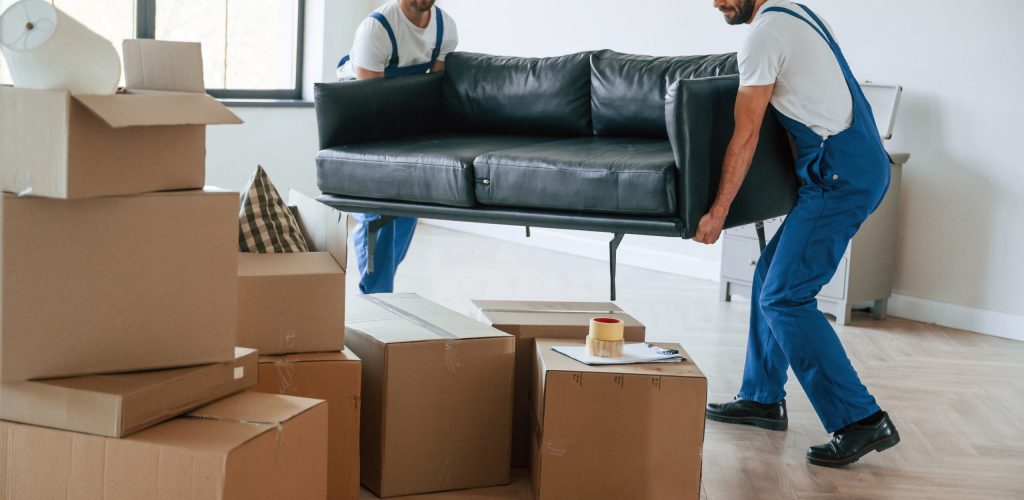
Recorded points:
517,95
629,90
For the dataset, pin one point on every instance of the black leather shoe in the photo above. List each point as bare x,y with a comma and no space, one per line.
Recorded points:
742,411
853,442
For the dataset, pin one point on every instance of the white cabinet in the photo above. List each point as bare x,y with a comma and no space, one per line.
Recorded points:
864,275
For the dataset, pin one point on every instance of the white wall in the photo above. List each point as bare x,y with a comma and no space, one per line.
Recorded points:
284,140
961,238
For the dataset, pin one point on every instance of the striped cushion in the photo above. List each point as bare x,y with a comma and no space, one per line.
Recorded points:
265,222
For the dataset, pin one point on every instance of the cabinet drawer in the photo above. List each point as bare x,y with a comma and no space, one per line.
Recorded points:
836,289
771,226
739,257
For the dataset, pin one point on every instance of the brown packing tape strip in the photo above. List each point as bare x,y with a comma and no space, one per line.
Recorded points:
402,313
286,376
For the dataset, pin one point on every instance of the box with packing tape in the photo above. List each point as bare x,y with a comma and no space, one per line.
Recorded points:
250,446
628,431
333,377
120,404
118,284
295,302
152,138
437,396
529,320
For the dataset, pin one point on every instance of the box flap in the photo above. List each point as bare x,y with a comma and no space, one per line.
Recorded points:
325,229
142,109
557,362
548,313
394,318
286,264
127,383
162,65
256,408
311,357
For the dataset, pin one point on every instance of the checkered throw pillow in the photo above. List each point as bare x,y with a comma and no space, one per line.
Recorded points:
266,224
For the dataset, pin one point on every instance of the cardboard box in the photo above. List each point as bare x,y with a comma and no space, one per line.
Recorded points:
295,302
62,146
437,396
250,446
632,431
118,405
335,378
529,320
118,284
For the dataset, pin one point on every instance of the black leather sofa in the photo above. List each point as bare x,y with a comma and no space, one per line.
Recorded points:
595,141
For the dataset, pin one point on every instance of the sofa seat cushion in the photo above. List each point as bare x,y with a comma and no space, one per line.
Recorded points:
426,169
592,174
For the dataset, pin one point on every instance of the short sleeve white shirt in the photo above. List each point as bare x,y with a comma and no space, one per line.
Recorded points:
371,49
809,84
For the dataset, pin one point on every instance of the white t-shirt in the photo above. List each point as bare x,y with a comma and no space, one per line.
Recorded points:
809,84
372,47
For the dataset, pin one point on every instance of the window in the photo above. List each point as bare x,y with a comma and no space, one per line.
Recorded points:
251,48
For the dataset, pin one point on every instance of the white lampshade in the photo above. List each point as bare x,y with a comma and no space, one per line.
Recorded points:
47,49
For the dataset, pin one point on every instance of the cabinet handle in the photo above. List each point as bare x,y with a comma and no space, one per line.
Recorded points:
752,262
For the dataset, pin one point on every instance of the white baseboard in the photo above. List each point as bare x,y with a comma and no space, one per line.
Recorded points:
997,324
982,321
571,243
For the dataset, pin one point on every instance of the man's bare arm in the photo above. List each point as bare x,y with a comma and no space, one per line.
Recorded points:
437,67
365,74
751,103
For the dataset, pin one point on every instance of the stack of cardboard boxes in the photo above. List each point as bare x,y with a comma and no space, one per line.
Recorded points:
118,297
291,307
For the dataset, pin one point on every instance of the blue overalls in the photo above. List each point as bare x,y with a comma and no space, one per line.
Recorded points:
393,239
844,179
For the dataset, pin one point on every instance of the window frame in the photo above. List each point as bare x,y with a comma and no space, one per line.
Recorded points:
145,27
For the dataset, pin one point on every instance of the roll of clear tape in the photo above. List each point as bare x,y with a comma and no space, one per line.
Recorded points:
49,50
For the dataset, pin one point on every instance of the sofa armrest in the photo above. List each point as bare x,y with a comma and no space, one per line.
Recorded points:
352,112
700,118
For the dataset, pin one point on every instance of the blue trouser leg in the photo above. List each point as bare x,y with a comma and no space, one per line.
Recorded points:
393,243
764,375
807,252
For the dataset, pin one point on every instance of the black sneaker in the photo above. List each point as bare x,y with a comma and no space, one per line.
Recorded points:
742,411
853,442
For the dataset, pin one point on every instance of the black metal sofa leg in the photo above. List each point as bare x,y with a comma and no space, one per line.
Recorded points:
759,227
371,238
613,250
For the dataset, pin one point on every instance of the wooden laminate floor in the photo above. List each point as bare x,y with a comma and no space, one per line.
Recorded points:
957,398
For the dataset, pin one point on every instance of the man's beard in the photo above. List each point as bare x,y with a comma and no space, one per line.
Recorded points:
744,12
421,6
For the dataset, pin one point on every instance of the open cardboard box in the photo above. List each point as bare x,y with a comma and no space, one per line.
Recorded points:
295,302
250,446
150,138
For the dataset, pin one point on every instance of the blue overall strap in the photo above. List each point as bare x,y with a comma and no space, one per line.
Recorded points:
821,24
440,36
802,18
391,36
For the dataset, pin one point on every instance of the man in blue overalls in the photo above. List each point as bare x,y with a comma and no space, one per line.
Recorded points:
792,61
403,37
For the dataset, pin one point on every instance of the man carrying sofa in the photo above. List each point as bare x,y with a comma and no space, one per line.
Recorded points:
402,37
791,60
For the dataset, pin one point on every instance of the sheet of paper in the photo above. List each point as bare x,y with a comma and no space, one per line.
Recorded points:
631,354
